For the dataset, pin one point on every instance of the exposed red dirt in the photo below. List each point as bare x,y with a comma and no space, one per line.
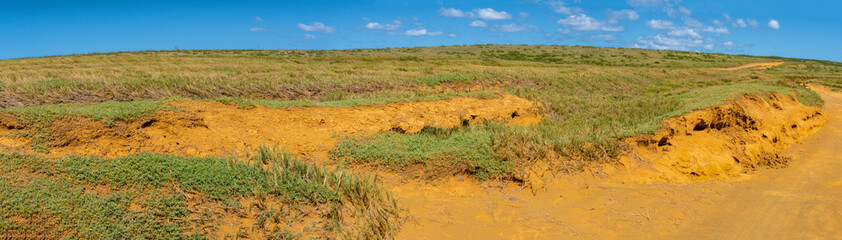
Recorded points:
212,128
634,200
723,141
637,199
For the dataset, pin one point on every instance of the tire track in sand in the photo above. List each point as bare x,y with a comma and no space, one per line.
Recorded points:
762,65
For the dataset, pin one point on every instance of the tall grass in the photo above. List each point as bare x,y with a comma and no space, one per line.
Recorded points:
59,192
591,96
307,75
577,131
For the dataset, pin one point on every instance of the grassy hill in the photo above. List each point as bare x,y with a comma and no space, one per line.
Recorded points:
590,97
336,75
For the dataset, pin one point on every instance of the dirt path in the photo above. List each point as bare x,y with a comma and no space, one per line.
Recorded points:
752,65
802,201
626,202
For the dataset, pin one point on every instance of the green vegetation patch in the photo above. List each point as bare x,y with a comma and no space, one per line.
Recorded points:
39,118
379,98
440,150
581,129
107,112
145,196
435,80
591,97
307,74
704,97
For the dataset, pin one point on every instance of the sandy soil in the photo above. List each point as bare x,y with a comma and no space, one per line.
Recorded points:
625,202
216,129
800,201
676,183
803,201
724,141
752,65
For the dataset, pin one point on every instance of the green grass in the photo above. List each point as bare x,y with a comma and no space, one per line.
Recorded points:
370,99
582,130
38,119
436,80
459,150
107,112
590,98
308,75
54,191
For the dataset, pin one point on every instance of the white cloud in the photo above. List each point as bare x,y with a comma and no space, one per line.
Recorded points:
717,22
420,32
684,32
258,29
625,14
514,27
523,15
455,13
452,35
309,36
731,46
647,3
316,27
684,39
718,30
752,23
666,42
482,13
491,14
684,11
478,23
692,22
395,25
582,22
660,24
662,42
774,24
416,32
560,8
258,19
740,23
665,5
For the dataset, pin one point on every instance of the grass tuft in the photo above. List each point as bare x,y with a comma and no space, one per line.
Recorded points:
92,197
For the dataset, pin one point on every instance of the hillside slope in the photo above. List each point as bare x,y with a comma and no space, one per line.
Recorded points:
513,141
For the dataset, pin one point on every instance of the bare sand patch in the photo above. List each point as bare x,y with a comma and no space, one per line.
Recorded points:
764,65
213,128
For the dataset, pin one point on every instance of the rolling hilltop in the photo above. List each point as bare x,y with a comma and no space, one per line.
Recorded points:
490,112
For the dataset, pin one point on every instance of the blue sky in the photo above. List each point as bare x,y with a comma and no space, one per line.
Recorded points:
803,29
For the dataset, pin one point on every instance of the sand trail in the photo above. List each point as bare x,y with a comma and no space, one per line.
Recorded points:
638,199
802,201
763,65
